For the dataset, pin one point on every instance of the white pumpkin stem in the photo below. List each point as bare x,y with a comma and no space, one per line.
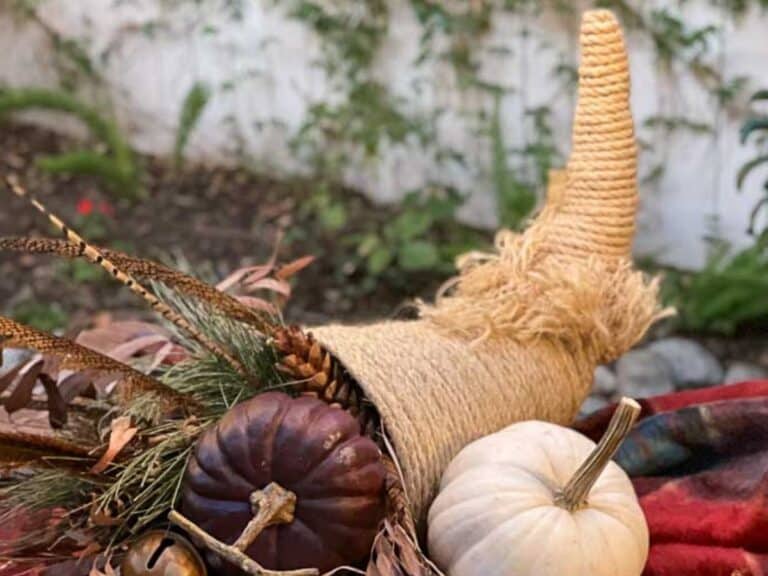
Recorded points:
574,495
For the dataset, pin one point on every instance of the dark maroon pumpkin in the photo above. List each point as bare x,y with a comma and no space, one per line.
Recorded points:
312,449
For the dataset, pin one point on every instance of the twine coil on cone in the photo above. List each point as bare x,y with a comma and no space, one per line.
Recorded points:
521,331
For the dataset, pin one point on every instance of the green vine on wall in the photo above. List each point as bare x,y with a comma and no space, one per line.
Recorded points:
755,129
71,58
351,33
457,33
366,114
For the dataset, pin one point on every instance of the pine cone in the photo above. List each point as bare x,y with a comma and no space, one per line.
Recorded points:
319,374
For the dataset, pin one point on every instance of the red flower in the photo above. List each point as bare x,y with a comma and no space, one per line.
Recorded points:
85,207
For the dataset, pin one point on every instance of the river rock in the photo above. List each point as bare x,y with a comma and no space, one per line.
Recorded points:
693,366
643,373
604,382
743,371
592,404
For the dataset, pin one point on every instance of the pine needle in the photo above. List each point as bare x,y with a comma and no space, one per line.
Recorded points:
210,379
39,491
143,488
137,490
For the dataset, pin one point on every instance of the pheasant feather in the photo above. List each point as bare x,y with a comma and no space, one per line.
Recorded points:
97,257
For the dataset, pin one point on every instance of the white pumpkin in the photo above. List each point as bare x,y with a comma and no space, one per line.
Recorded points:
536,499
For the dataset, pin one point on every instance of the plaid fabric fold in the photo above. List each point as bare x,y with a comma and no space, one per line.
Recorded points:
699,463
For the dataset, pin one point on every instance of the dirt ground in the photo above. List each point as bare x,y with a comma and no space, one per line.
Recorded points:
207,220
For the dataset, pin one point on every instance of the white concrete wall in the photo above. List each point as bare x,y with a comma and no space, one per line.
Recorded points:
271,60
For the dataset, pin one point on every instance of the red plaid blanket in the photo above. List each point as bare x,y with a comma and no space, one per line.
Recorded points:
699,463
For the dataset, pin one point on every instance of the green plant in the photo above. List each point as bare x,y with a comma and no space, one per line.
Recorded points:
423,237
43,316
329,212
366,115
366,118
192,109
730,292
94,225
515,200
116,167
465,24
757,126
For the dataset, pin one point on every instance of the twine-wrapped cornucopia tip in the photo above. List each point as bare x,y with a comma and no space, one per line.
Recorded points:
521,330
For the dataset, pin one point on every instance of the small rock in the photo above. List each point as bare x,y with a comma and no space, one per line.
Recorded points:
743,371
642,373
693,366
604,382
592,404
12,357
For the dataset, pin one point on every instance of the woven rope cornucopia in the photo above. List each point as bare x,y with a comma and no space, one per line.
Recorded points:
520,332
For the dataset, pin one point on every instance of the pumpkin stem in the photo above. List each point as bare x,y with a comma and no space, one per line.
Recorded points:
574,495
272,505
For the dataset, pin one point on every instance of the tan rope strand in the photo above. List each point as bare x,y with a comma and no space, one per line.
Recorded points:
597,215
97,257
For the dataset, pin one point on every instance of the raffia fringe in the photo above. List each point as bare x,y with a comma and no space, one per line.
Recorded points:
524,296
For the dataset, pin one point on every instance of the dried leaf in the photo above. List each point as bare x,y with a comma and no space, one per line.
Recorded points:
75,567
270,284
75,384
240,275
52,364
120,435
77,356
129,349
106,338
78,536
161,356
292,268
252,272
107,570
383,561
410,556
22,393
104,384
258,304
99,517
57,406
